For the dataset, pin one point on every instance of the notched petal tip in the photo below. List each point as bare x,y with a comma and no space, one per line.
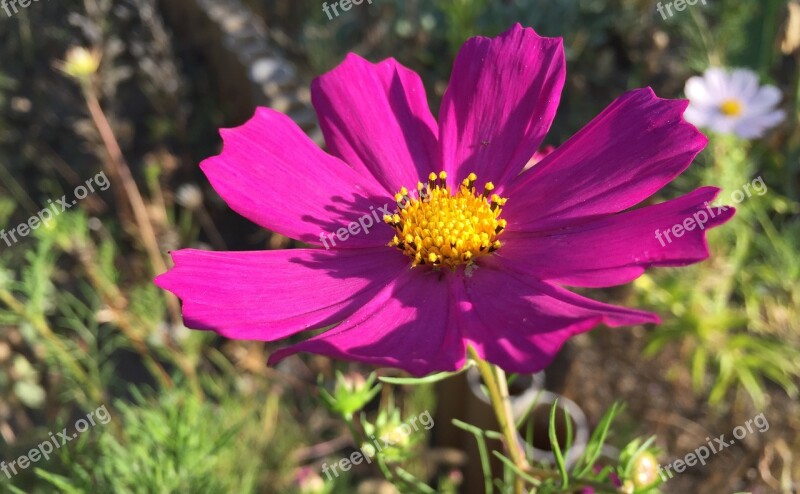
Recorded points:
166,280
499,104
517,27
375,117
675,108
302,190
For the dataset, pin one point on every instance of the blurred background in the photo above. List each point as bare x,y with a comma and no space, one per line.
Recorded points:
83,327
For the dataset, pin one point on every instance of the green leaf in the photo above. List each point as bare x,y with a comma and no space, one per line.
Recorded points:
515,469
415,482
482,451
699,369
432,378
527,411
15,490
60,482
595,446
560,463
494,435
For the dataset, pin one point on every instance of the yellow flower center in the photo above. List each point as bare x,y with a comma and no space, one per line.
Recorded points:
442,228
731,108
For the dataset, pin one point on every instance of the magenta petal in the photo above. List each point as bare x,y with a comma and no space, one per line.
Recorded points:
632,149
616,249
376,118
520,323
268,295
270,172
409,325
500,103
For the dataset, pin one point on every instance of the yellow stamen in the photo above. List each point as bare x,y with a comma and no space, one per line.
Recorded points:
442,228
731,108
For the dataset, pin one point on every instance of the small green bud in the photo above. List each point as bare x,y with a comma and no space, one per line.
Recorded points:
350,394
645,470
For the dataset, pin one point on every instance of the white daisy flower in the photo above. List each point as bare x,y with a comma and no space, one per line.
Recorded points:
732,102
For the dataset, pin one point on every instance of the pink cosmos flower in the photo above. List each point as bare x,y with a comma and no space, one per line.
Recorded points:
469,250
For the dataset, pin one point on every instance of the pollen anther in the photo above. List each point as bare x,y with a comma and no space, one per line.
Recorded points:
440,227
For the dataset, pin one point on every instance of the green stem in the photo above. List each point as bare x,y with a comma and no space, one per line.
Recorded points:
497,385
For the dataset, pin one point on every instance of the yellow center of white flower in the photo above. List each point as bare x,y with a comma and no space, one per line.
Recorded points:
731,108
441,228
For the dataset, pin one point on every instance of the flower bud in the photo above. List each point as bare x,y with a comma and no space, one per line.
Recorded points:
351,393
368,450
352,382
80,62
395,435
645,470
309,482
455,477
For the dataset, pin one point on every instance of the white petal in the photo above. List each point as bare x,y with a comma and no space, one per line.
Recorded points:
698,115
750,128
764,100
723,124
697,91
743,84
772,119
717,82
747,129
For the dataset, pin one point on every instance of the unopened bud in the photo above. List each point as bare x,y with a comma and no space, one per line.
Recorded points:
80,63
352,382
395,436
645,470
368,450
309,482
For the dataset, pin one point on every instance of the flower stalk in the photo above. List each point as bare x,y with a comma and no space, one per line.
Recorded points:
81,64
497,385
